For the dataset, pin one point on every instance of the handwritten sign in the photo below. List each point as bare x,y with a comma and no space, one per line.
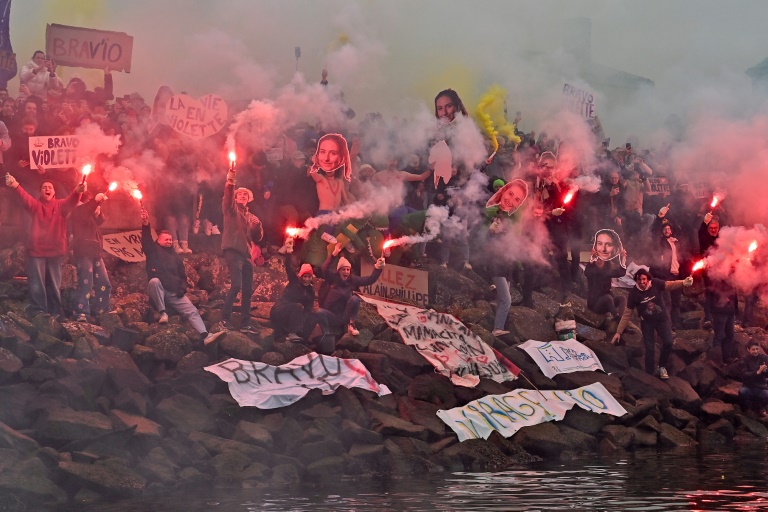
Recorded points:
88,48
565,356
126,245
196,118
520,408
274,155
659,186
701,190
579,101
447,344
265,386
54,152
401,284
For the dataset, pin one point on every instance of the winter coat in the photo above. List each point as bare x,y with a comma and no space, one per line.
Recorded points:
238,233
86,236
164,264
340,291
47,236
39,83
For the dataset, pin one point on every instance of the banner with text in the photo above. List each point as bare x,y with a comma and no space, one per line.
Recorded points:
659,186
126,245
196,118
579,101
265,386
54,152
401,284
564,356
446,343
520,408
88,48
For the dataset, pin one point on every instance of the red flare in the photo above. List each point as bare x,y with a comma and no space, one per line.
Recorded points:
113,186
387,244
232,159
137,194
292,232
698,266
87,168
568,198
753,246
714,202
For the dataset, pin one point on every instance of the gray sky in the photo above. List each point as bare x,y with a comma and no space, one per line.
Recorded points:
696,51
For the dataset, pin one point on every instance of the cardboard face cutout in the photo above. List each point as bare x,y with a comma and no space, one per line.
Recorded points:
509,197
332,154
607,246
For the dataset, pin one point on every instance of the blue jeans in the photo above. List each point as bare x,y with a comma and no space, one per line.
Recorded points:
241,275
160,298
457,238
504,301
753,398
44,279
91,275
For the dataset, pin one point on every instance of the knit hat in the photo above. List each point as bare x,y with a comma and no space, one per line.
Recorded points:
497,184
341,142
306,268
343,262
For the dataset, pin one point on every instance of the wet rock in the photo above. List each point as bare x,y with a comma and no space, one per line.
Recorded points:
9,365
700,376
710,438
578,441
145,427
670,437
433,388
678,418
109,478
649,423
285,475
585,421
619,435
683,395
131,402
755,428
63,425
217,445
404,356
643,437
351,407
327,468
253,433
640,384
28,485
722,427
543,439
421,413
157,467
10,438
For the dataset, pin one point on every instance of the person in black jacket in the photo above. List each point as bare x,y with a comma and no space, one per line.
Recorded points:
294,312
599,273
709,231
85,220
754,388
340,305
724,306
168,279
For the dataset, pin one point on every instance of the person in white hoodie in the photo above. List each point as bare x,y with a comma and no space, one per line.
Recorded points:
39,75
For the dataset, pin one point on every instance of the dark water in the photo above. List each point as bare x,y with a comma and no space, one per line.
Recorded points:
733,478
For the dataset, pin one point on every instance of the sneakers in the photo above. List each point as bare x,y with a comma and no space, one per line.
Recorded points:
215,230
293,337
329,238
467,266
176,247
185,247
211,337
247,329
663,375
226,325
82,318
443,265
351,329
707,324
499,332
163,318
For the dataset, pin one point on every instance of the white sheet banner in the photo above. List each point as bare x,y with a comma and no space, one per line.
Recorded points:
446,343
255,384
565,356
520,408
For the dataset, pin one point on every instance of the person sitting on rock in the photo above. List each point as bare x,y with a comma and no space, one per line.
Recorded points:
46,243
340,305
599,272
294,312
168,279
754,387
648,297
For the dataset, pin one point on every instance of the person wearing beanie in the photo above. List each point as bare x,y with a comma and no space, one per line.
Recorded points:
648,297
242,230
340,304
293,316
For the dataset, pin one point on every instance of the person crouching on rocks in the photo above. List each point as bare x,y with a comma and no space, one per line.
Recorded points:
340,305
294,312
168,280
242,230
648,297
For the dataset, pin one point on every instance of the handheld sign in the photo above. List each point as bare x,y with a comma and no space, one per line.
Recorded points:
88,48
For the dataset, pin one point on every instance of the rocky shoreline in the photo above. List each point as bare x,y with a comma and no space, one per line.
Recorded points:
108,411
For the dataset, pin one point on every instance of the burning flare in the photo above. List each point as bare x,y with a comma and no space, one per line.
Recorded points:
137,194
113,186
292,232
568,198
714,202
753,246
232,159
698,266
87,168
388,244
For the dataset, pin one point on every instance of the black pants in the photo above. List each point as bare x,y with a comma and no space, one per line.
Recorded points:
724,325
241,275
287,317
609,304
664,330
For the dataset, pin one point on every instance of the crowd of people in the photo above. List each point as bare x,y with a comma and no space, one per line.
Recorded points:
521,216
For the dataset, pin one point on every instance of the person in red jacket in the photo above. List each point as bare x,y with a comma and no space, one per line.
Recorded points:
46,243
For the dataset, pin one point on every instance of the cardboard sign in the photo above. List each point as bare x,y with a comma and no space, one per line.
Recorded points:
55,152
401,284
88,48
274,155
579,101
196,118
520,408
261,385
659,186
701,190
563,356
126,245
447,344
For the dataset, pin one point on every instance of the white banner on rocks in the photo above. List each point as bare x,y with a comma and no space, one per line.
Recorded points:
446,343
520,408
261,385
565,356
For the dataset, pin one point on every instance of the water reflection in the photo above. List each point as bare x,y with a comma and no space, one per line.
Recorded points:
731,479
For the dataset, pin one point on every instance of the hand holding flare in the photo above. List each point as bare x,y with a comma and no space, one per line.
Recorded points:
87,168
138,196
